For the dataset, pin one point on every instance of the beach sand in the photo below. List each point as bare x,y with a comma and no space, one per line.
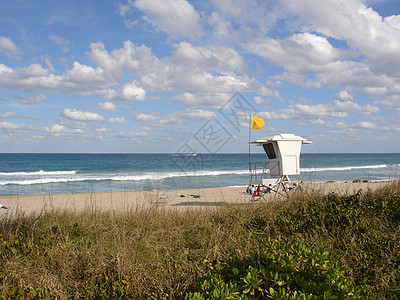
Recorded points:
166,199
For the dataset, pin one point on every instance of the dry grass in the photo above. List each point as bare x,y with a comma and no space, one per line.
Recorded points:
163,254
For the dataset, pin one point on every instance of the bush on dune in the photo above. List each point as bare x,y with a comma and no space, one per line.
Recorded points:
308,246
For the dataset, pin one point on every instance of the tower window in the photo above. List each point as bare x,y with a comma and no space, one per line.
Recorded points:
269,150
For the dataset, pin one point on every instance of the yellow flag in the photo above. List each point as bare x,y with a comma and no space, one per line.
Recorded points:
258,123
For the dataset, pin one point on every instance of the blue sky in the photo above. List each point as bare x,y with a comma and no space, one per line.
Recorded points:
184,76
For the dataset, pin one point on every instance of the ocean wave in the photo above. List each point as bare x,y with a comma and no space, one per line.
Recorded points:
47,177
348,168
38,173
118,177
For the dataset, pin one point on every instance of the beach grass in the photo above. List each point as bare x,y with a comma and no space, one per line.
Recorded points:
306,245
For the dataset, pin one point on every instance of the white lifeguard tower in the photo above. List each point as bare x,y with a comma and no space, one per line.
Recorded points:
283,152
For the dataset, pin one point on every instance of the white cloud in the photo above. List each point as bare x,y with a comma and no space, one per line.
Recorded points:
107,106
134,135
30,100
135,59
4,69
147,118
374,90
195,114
116,120
61,42
242,20
221,59
60,130
77,115
190,68
363,28
176,17
300,53
86,77
344,96
365,125
258,100
81,79
336,110
209,100
7,45
8,126
222,28
103,130
129,91
9,114
270,93
391,103
176,78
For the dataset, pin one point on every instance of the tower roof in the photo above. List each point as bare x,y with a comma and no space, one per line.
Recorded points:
282,137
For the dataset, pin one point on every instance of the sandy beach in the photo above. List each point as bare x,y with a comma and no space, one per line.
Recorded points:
163,199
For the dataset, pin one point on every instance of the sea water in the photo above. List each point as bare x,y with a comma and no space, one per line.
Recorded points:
22,174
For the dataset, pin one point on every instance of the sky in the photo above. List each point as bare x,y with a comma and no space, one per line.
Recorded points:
178,76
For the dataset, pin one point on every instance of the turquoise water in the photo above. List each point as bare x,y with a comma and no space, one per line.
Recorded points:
22,174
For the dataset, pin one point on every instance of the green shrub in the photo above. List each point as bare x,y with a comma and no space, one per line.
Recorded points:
281,271
362,229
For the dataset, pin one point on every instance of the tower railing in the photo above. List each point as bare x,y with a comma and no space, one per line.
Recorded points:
258,171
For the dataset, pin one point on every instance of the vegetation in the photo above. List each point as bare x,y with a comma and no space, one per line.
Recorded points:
308,246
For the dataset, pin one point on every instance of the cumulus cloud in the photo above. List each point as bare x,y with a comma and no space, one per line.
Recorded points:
129,91
107,106
134,58
30,100
344,96
391,102
176,78
76,115
221,27
7,45
134,135
300,53
237,20
81,79
270,93
365,125
194,69
146,117
9,114
202,99
221,59
60,130
191,68
363,28
84,79
120,120
15,127
195,114
336,110
178,18
156,121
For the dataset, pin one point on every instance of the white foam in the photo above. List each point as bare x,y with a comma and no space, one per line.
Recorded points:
38,173
343,168
58,178
45,177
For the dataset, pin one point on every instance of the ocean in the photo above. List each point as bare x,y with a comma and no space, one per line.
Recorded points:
26,174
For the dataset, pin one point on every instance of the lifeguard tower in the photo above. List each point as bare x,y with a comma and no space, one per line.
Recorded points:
283,171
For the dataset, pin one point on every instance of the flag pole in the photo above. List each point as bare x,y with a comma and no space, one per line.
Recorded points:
249,142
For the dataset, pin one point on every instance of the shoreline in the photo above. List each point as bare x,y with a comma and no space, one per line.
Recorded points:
125,201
